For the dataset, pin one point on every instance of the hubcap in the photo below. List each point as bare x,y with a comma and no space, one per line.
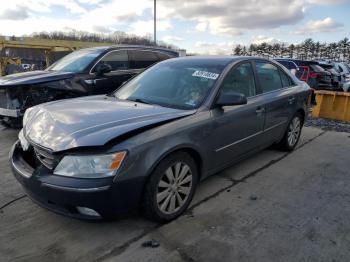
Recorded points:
174,188
294,131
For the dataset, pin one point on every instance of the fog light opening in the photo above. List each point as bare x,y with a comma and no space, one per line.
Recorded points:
88,211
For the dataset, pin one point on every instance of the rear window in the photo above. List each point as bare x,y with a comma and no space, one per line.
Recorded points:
142,59
269,77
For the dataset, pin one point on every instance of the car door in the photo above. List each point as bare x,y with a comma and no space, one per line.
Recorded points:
279,98
237,129
121,72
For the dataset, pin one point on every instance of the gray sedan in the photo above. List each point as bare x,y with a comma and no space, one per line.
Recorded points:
148,145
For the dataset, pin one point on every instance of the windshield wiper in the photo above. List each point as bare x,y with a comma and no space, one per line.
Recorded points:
140,100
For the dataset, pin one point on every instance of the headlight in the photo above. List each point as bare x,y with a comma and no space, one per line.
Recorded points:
27,116
94,166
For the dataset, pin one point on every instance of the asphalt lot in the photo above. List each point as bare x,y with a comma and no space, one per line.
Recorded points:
272,207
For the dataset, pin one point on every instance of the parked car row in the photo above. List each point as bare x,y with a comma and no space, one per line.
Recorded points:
91,71
140,147
320,75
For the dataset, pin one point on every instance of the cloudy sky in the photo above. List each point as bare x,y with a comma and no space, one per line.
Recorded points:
202,26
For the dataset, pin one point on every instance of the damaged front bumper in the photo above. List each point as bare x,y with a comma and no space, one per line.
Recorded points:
75,197
9,107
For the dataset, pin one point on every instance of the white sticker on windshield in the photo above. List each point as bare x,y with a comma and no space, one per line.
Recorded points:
205,74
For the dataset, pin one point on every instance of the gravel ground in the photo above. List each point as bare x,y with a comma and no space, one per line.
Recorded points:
328,125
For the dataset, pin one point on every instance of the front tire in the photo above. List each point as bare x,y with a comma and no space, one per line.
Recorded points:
292,134
170,188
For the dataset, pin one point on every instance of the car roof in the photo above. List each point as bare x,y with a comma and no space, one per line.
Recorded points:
297,60
115,47
214,59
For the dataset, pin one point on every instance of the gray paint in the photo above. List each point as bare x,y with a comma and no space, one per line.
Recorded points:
220,136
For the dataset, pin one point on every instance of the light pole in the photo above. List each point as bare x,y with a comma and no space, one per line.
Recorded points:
155,22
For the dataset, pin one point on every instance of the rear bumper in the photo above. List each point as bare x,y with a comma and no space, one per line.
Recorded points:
10,112
66,195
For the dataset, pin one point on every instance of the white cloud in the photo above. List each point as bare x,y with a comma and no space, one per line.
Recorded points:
218,17
146,27
202,27
44,6
327,2
232,17
265,39
211,48
326,25
18,13
170,39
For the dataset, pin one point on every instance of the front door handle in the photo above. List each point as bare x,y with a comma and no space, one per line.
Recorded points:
260,110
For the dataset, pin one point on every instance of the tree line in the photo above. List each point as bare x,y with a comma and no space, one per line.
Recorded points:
117,37
307,50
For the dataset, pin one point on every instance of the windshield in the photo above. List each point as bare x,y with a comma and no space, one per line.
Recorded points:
75,62
182,85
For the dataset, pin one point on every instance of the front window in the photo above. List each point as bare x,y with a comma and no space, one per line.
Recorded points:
75,62
240,80
182,85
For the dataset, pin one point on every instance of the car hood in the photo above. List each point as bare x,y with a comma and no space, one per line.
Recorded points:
91,121
34,77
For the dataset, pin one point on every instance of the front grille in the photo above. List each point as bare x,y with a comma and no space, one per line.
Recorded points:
45,157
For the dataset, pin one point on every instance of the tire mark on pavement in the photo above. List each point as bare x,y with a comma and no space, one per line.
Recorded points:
12,201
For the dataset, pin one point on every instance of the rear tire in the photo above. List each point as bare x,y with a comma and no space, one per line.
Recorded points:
292,134
170,188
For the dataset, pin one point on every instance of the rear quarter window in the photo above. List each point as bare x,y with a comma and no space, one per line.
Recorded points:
286,80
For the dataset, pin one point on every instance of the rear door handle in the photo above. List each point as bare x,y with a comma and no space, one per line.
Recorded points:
291,100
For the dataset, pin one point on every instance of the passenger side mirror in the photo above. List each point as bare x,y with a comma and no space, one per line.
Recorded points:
231,99
103,69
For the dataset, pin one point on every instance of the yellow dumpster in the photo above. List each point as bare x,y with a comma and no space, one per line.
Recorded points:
332,105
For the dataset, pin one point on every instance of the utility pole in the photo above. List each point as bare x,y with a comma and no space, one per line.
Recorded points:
155,22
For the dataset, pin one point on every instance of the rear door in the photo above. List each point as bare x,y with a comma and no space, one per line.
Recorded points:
237,129
121,72
279,95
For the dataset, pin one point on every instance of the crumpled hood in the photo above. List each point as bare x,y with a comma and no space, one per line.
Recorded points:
90,121
33,77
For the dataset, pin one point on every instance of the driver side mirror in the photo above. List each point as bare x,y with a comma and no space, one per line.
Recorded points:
231,99
103,69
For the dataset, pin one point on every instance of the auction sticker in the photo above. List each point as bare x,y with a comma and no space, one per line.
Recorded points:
205,74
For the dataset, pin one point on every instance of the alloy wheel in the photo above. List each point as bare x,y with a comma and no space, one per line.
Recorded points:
174,188
294,131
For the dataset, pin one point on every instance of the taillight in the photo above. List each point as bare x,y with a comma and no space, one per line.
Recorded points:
313,75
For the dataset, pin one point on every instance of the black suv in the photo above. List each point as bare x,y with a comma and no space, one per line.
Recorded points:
310,72
90,71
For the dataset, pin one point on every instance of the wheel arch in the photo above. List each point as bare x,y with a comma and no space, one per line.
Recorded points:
193,152
302,112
